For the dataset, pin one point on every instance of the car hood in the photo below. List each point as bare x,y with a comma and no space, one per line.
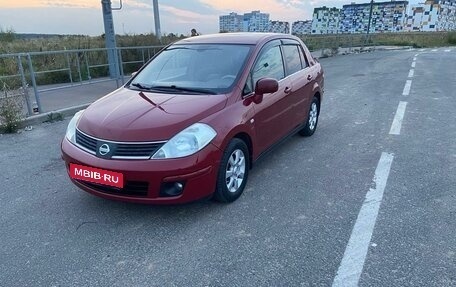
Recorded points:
129,115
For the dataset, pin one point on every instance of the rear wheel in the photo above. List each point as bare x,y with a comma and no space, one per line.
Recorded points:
312,119
233,171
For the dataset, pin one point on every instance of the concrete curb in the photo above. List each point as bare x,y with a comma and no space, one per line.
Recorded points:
41,118
325,53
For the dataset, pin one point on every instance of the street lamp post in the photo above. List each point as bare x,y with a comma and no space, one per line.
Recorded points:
110,40
157,20
369,23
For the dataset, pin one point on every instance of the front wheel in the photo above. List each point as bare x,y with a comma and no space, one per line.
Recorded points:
312,119
233,171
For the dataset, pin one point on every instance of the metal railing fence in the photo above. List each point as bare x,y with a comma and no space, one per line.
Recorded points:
42,72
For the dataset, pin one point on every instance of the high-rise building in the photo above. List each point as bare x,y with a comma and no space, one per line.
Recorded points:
423,17
325,20
301,27
415,18
254,21
279,27
433,15
447,18
231,23
386,17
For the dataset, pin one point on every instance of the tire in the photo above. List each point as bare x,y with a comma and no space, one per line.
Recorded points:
312,119
235,161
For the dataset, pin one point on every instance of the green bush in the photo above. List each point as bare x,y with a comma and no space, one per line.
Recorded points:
7,35
10,110
451,38
54,117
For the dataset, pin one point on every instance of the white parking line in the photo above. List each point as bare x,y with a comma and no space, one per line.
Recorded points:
422,50
352,264
434,50
411,73
448,50
398,118
408,85
416,55
413,64
414,59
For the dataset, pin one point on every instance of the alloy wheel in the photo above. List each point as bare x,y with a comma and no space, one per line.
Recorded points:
313,116
235,170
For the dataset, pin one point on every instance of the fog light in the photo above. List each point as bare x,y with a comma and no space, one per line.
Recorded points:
169,189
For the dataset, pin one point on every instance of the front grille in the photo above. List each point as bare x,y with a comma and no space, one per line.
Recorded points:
119,150
132,188
136,150
85,141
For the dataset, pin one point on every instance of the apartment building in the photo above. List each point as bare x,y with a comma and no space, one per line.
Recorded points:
386,17
231,23
432,16
279,27
447,17
325,20
254,21
301,27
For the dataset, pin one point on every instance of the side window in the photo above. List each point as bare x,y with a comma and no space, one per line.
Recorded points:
304,61
248,88
269,65
292,58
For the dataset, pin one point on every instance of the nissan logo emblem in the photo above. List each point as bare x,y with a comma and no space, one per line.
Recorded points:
104,149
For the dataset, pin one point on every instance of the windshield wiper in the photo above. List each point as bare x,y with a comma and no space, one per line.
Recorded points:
177,48
183,89
141,86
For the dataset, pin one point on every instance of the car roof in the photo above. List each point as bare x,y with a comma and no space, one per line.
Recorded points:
234,38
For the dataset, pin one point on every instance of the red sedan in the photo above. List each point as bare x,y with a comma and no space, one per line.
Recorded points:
194,119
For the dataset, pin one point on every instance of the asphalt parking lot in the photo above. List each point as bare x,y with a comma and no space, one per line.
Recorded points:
369,200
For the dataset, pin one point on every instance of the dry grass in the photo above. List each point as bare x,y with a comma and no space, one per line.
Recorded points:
415,39
58,43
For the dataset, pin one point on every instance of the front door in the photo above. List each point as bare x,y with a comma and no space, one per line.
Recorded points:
273,116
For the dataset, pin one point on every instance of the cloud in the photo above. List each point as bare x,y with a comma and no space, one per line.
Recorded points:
50,4
22,4
182,20
182,14
53,20
138,4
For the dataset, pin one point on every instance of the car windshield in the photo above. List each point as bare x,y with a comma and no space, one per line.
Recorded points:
195,68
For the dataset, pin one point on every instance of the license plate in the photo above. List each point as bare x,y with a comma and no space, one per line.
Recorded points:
96,175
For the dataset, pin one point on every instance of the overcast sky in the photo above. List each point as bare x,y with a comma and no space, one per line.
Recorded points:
136,16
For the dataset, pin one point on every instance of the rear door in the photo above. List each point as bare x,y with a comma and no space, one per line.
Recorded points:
301,77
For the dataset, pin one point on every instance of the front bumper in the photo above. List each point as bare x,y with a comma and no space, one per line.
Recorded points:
145,178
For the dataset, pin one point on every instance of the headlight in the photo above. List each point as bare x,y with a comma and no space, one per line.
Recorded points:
71,129
187,142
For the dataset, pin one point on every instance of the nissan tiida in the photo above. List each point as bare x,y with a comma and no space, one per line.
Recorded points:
194,119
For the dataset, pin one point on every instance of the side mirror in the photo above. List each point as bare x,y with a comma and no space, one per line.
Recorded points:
134,74
264,86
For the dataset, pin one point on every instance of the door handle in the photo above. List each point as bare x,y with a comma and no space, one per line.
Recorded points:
287,90
309,77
